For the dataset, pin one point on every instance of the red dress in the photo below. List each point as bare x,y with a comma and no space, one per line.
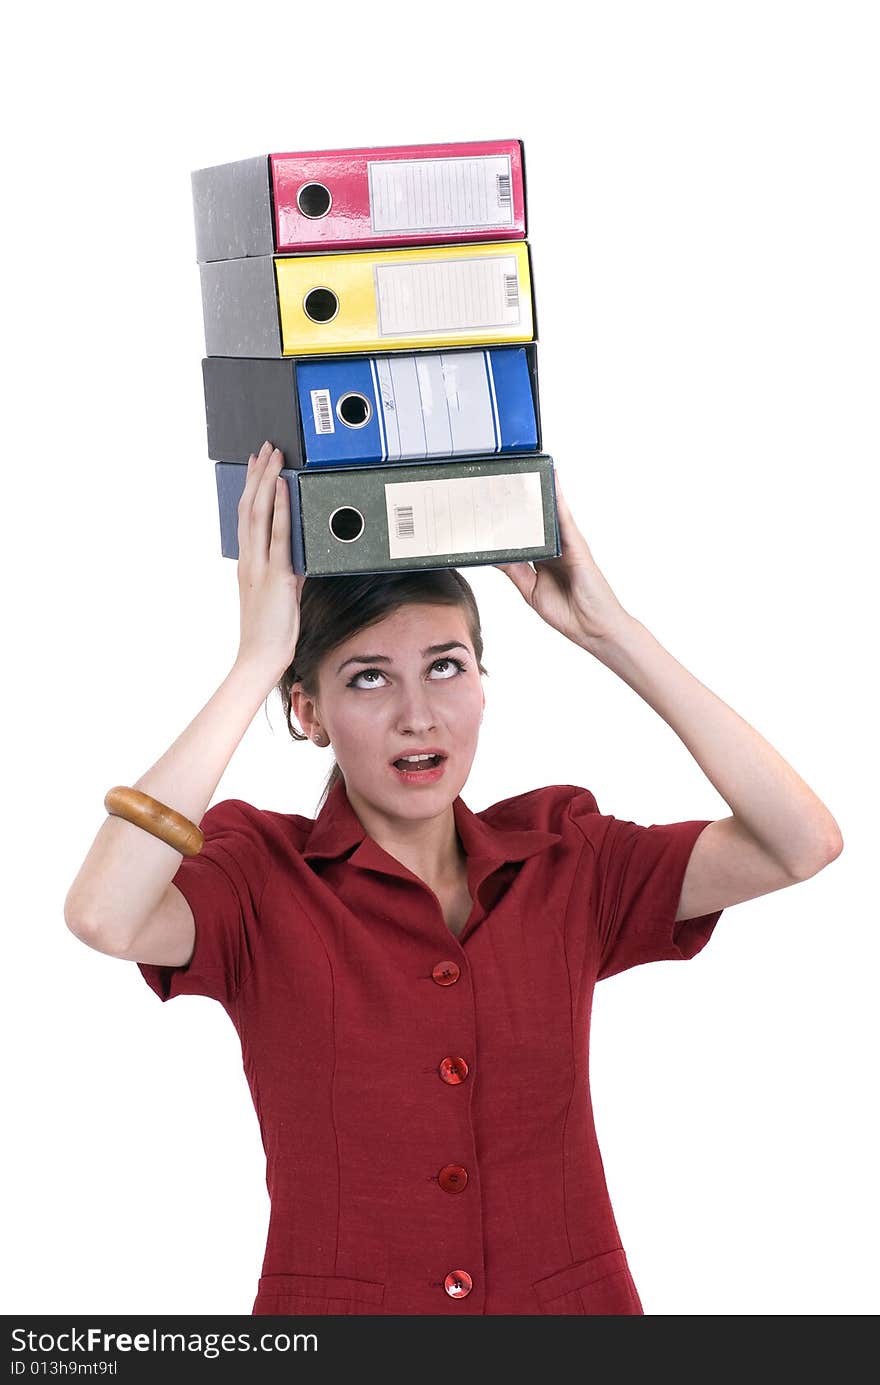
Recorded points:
424,1099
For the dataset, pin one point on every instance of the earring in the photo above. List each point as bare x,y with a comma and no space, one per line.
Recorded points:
321,739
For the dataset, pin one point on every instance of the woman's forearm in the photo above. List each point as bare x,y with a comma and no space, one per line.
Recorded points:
760,787
127,870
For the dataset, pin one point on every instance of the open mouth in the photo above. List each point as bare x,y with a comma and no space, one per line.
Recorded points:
420,765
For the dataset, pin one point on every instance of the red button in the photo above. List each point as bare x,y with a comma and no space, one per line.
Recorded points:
458,1283
445,973
452,1178
453,1070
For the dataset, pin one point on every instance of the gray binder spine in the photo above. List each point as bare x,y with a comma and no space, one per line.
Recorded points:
232,206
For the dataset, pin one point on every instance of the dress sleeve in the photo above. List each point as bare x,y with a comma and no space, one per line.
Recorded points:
637,877
223,885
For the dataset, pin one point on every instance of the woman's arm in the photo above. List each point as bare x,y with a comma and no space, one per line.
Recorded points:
127,870
780,831
768,799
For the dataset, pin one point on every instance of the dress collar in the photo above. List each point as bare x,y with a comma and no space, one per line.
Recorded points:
338,828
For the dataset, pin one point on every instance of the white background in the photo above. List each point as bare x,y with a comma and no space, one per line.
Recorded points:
702,184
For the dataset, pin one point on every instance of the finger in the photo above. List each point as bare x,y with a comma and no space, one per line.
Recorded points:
572,540
263,507
255,471
522,575
560,497
257,468
566,520
279,543
244,511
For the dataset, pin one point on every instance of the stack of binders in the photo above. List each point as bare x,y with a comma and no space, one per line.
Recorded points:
371,312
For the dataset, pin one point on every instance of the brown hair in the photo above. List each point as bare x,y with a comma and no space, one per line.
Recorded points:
332,609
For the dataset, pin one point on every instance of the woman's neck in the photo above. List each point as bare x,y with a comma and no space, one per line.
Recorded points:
429,847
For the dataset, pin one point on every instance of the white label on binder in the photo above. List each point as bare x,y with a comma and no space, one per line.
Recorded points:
466,514
322,411
467,295
438,405
440,194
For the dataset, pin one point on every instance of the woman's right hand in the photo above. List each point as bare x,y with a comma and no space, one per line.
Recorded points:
269,589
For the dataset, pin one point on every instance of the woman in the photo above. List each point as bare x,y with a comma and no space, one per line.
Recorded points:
411,981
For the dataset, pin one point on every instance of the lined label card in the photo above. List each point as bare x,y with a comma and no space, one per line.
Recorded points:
436,406
447,296
467,514
440,194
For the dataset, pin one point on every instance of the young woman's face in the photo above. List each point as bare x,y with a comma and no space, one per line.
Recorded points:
389,691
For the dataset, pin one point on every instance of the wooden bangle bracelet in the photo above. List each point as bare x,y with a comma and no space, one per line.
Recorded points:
155,817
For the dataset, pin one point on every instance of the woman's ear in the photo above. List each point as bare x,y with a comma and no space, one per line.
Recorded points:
301,706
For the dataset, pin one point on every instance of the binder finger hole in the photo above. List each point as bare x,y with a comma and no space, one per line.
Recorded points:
346,524
354,410
314,200
321,305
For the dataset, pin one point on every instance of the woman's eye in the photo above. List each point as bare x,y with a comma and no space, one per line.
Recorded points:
457,662
450,662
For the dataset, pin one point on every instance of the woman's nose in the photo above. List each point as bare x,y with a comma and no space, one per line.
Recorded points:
419,725
414,710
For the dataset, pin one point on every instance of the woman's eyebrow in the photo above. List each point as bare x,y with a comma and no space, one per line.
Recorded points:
384,659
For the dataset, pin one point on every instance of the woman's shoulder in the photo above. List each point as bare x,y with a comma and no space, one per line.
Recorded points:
236,815
548,808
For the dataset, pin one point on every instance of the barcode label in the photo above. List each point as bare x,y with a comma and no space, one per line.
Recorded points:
322,412
503,183
403,521
511,290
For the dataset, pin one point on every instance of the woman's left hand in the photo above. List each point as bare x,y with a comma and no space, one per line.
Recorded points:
569,592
